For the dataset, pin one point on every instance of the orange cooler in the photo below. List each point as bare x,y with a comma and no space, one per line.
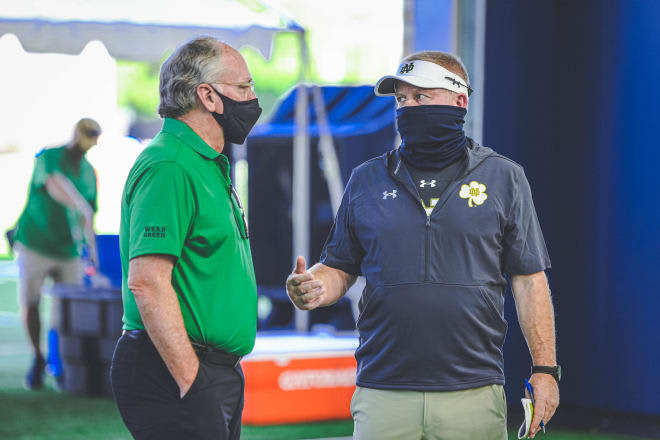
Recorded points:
295,378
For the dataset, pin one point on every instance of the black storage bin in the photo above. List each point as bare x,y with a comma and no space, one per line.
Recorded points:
88,325
85,377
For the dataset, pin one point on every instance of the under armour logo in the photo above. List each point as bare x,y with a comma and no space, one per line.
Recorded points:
423,183
390,194
406,68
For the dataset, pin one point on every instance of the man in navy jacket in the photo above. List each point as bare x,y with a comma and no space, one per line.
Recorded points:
435,227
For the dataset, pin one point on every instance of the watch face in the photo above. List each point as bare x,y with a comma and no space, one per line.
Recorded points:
558,372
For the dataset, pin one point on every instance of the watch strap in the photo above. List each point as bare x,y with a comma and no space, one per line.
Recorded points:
545,369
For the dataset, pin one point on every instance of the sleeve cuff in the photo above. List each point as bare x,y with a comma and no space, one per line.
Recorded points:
528,269
134,253
350,269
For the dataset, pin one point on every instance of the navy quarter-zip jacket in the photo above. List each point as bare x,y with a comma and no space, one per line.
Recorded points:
432,312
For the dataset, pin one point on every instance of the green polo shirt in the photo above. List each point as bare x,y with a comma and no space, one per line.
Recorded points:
178,201
46,225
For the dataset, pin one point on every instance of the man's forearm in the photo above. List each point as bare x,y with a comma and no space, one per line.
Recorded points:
336,282
536,316
161,314
61,189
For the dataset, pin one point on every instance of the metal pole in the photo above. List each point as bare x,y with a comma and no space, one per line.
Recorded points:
471,47
327,152
301,179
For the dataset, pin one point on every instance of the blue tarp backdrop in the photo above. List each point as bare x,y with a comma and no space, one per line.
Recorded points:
572,93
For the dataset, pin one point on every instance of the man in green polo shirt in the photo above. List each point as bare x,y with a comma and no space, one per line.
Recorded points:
57,219
189,289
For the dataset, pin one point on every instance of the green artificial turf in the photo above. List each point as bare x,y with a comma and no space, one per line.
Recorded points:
51,415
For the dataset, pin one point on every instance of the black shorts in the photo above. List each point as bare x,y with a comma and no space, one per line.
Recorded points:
149,400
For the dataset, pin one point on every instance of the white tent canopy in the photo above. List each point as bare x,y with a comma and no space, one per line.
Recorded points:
141,30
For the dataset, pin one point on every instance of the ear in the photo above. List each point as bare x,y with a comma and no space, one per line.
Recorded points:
209,98
461,100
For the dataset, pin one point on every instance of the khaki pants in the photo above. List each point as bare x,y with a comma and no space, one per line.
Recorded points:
34,268
474,414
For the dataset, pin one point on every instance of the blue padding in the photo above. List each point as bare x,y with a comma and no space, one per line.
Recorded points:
109,259
583,123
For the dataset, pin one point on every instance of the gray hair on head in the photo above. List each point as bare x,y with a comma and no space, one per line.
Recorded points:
193,63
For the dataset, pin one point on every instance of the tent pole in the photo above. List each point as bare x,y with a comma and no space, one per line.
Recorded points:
301,179
327,151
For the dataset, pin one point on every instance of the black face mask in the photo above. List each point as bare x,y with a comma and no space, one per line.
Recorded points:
432,135
238,117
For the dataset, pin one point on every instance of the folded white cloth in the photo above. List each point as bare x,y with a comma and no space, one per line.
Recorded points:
528,407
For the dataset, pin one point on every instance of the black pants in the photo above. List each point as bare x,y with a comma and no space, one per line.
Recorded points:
148,396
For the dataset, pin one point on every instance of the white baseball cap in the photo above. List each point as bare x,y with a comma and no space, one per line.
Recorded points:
423,74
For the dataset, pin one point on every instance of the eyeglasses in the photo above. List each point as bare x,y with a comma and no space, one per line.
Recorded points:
249,84
245,88
460,84
244,231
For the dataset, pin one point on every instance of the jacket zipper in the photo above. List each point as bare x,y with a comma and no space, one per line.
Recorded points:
428,229
428,216
415,194
428,246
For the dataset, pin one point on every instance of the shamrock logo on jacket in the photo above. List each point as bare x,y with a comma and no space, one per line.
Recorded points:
475,192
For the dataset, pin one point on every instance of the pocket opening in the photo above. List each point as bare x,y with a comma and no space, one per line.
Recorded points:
363,312
493,309
194,387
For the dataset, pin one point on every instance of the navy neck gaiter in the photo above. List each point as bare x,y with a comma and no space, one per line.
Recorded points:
432,135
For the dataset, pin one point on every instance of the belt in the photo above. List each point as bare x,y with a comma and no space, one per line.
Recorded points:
206,353
215,355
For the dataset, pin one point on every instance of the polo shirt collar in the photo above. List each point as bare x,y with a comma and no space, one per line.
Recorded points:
186,135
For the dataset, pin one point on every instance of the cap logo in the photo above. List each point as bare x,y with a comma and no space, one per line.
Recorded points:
407,68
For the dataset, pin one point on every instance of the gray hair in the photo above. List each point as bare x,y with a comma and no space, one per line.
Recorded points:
193,63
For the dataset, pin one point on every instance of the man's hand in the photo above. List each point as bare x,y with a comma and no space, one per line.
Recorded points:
90,237
546,400
186,382
306,291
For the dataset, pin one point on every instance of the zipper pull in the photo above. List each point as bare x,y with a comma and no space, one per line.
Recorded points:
428,221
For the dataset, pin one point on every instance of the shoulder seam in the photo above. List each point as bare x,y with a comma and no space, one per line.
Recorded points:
150,168
369,161
499,156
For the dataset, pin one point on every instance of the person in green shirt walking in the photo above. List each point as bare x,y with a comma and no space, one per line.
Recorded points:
189,290
57,220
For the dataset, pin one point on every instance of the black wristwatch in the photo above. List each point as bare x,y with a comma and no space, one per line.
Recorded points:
552,371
